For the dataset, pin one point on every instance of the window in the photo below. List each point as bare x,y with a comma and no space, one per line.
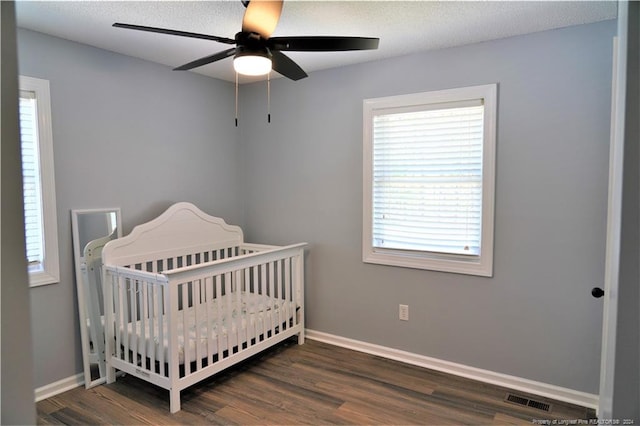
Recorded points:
428,185
41,228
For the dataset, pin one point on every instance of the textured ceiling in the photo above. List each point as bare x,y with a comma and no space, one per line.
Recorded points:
403,26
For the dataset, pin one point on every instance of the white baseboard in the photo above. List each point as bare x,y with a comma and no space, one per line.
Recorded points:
512,382
60,386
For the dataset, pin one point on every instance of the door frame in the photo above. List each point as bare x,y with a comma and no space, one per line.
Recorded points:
614,215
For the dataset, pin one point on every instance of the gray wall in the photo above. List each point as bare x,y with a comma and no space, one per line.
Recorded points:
126,133
535,318
16,368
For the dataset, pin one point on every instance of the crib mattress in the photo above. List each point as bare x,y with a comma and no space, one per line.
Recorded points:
225,323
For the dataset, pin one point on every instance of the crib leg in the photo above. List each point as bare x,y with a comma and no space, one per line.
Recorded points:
301,338
174,400
111,374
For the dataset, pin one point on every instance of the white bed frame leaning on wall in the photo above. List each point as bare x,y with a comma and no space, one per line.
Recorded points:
185,298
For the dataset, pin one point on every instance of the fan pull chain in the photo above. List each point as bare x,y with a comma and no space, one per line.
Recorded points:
269,98
236,99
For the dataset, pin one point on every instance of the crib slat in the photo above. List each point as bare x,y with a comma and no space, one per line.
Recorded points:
219,312
287,290
248,316
210,313
134,318
153,289
172,294
196,305
272,316
279,284
118,313
274,296
229,312
263,307
277,301
251,307
255,272
124,320
109,279
161,328
185,329
238,319
144,310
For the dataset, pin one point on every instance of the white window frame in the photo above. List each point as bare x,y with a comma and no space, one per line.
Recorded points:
48,272
481,265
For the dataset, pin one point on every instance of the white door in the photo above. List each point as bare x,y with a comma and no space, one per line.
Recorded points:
614,215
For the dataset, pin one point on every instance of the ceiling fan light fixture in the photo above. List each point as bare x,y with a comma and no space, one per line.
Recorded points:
254,63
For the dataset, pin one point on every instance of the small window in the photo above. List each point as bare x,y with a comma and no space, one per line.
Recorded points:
429,162
41,228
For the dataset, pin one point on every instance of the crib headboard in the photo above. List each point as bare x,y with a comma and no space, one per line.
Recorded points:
181,229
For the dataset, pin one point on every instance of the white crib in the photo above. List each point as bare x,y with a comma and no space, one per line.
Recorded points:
185,298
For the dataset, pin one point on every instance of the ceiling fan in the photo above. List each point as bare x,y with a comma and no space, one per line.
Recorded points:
255,51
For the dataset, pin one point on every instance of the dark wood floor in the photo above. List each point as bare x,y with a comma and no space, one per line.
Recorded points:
314,383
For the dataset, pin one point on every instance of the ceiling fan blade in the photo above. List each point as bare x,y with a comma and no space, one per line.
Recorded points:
207,60
322,43
262,17
285,66
174,32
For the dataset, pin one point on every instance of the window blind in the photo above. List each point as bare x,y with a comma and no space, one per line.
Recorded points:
31,178
427,178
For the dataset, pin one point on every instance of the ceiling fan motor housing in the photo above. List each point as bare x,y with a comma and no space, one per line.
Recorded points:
249,43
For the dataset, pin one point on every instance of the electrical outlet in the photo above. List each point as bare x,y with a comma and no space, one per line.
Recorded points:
404,312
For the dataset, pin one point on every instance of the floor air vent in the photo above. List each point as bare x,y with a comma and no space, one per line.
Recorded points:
526,402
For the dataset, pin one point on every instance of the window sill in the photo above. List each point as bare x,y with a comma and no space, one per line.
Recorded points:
40,278
478,266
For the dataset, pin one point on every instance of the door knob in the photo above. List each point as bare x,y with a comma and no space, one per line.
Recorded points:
597,292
